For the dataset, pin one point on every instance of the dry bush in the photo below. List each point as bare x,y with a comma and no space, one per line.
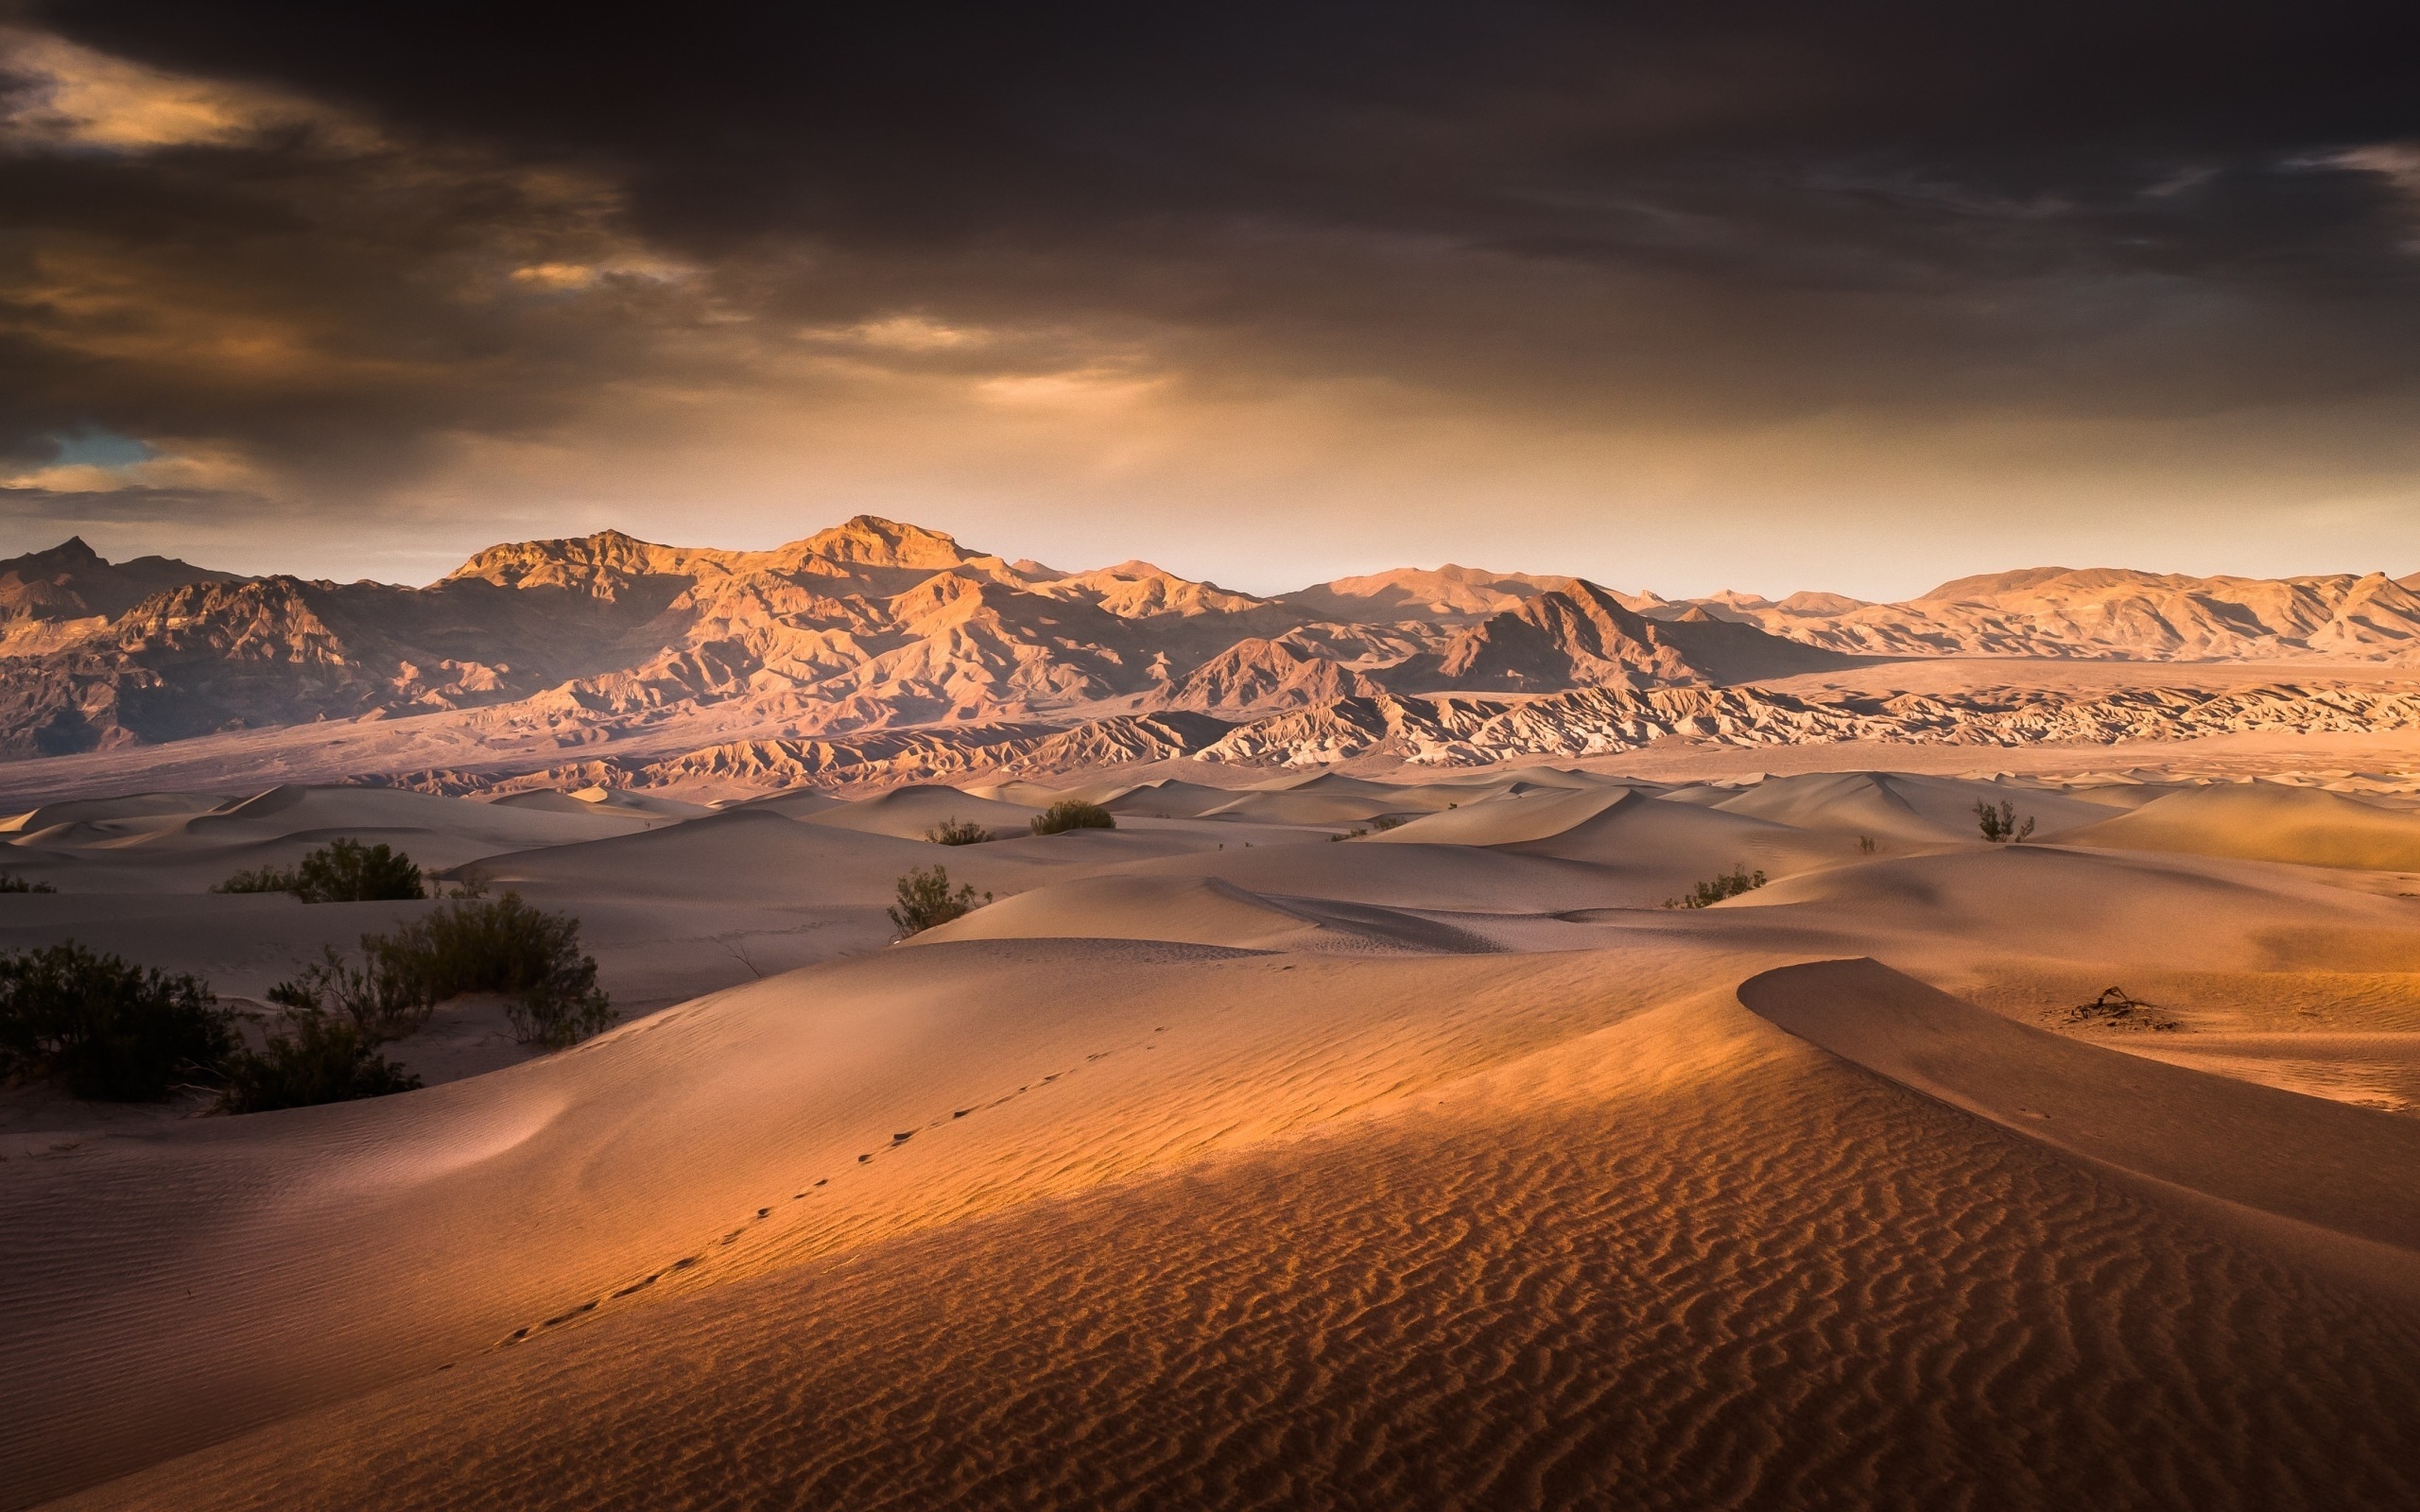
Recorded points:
341,871
470,944
322,1059
925,899
1072,813
2000,825
1727,885
104,1029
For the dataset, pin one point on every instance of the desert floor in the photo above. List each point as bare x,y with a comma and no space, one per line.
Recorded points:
1256,1154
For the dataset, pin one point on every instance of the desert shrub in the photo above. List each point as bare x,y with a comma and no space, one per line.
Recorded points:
261,879
10,881
502,945
382,997
341,871
2000,825
925,899
1389,821
1072,813
322,1060
1865,844
347,871
1726,884
105,1029
470,944
950,832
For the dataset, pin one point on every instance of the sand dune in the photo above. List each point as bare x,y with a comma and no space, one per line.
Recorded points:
1196,911
1563,1261
1686,843
2330,1185
910,813
1313,807
2266,822
797,804
745,854
1431,878
101,810
1901,806
1218,1161
1508,818
1172,799
619,803
163,844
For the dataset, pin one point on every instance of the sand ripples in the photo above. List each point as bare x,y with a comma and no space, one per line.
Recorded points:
1682,1262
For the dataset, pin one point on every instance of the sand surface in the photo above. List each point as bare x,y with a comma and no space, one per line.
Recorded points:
1252,1155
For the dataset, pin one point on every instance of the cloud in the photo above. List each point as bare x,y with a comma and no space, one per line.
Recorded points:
107,464
903,333
1326,259
58,96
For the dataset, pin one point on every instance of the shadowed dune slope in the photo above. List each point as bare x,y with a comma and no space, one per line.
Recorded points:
549,800
748,853
1687,842
1510,818
908,812
2263,821
162,846
1900,806
293,810
130,807
1441,877
613,803
1306,806
1679,1259
797,804
2338,1187
1172,799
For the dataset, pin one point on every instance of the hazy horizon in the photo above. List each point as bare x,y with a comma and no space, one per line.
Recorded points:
1275,584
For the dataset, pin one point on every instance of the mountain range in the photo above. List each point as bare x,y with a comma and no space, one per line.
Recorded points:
873,640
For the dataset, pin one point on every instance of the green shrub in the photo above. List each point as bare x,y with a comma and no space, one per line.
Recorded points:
346,871
470,944
341,871
504,945
105,1029
925,899
261,879
950,832
10,881
2000,825
1072,813
324,1060
1389,821
382,998
1727,885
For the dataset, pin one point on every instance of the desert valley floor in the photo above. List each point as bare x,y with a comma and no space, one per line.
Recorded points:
1256,1154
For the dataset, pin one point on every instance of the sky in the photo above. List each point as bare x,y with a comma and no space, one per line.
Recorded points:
1768,296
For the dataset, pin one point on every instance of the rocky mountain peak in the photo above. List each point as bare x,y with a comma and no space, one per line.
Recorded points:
871,541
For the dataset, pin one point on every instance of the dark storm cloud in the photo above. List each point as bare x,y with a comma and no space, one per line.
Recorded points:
469,220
